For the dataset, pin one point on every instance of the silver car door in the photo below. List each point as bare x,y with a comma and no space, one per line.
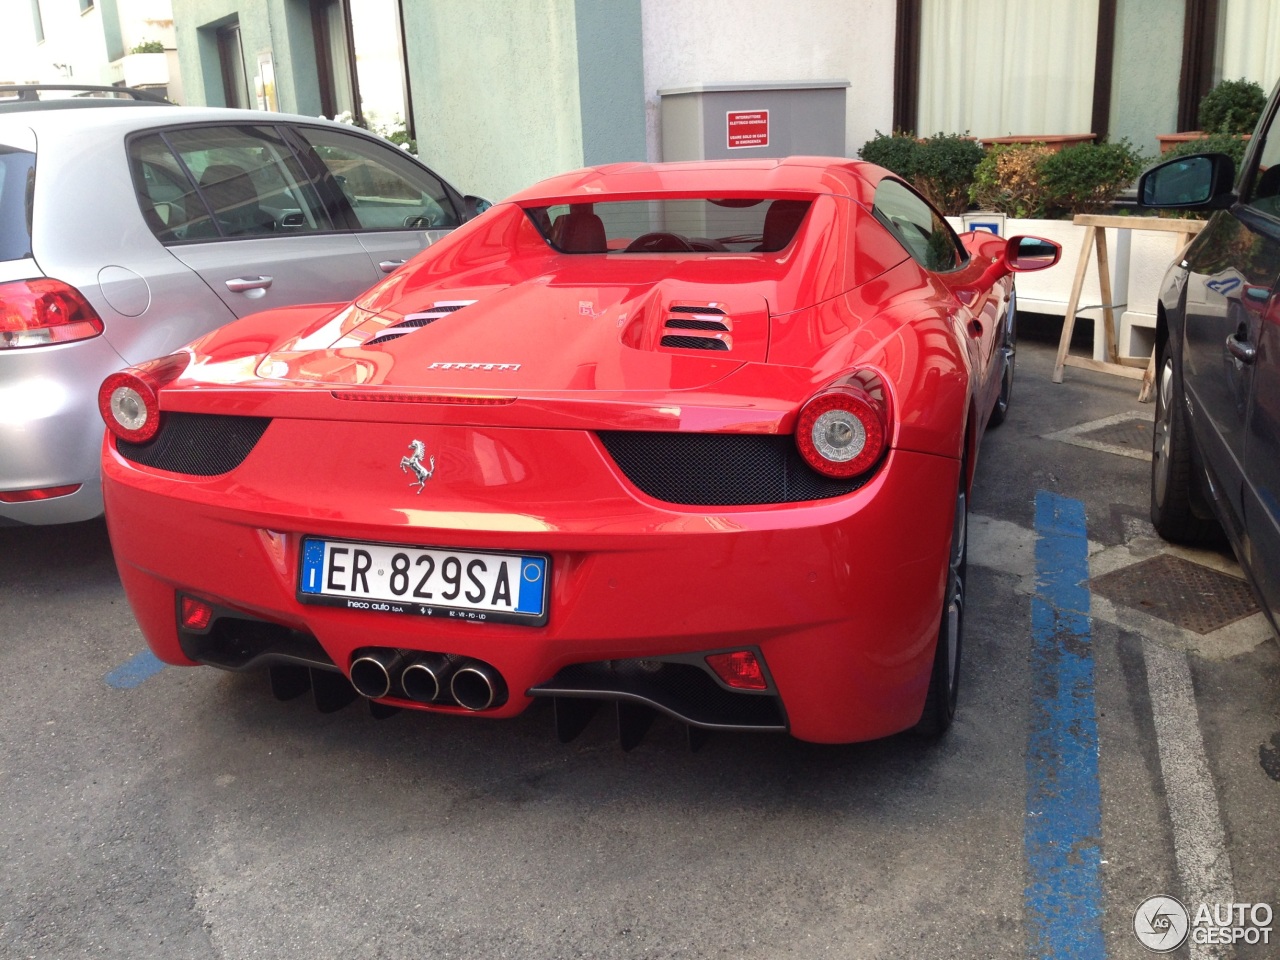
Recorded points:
234,205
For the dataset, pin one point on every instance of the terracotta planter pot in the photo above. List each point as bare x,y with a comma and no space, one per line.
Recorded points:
1170,140
1055,142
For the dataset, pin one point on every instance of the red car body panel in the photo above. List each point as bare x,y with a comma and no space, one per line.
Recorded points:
841,597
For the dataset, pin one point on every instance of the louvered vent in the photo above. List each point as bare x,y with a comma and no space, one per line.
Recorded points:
415,320
708,320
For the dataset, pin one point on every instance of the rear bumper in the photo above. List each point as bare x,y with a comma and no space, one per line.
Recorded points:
50,428
840,597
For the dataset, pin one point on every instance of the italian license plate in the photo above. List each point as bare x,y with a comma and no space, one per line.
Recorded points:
425,581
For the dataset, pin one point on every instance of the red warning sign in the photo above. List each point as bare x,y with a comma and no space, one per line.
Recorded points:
748,128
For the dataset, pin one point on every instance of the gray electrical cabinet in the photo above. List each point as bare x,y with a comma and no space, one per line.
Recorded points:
719,121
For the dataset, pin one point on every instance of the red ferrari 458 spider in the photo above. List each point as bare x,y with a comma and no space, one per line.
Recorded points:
692,438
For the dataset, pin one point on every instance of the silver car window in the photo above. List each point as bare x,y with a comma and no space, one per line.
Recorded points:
17,170
386,190
206,183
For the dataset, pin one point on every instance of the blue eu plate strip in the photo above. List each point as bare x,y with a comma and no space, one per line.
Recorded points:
533,574
1063,825
312,566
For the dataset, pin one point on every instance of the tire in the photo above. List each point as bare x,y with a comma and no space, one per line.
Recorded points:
944,682
1172,476
1008,349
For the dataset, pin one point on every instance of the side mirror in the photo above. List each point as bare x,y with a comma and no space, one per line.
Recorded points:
1023,254
473,206
1198,182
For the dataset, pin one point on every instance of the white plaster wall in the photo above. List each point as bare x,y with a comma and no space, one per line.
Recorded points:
690,42
495,88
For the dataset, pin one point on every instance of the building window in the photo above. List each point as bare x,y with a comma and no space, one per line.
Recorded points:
361,63
996,68
1251,41
235,86
86,6
993,69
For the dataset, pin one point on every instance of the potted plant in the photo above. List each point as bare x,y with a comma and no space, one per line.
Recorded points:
941,167
1231,108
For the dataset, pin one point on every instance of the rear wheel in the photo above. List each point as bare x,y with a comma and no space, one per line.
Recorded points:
944,684
1008,356
1172,474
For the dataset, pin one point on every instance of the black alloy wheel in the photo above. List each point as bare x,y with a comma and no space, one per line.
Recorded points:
944,683
1172,476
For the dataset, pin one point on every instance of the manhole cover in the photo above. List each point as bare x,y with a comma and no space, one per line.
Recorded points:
1186,594
1135,434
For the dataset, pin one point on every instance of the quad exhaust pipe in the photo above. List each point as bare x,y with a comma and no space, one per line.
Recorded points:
373,672
427,678
477,686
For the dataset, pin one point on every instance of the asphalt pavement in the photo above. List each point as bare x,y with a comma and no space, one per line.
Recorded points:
1119,739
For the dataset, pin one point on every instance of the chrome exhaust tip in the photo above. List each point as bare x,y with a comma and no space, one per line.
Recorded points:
372,672
425,678
478,686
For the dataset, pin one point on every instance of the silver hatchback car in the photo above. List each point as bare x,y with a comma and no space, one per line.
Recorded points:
127,231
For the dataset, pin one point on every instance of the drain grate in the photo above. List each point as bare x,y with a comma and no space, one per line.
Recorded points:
1183,593
1131,434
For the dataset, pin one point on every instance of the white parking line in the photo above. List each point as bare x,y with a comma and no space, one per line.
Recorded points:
1198,838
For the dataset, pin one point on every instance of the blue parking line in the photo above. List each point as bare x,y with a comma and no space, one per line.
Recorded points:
1063,826
134,671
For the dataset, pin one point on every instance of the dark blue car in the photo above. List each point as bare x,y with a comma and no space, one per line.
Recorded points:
1216,454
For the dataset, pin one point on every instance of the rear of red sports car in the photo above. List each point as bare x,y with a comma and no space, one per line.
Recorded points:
690,439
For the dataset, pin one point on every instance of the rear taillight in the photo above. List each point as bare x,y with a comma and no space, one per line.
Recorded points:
129,400
34,313
193,613
740,669
842,431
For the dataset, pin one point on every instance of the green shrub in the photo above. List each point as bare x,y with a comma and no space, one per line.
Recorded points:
941,167
1087,178
1233,106
897,152
1030,180
149,46
1233,145
945,167
1008,180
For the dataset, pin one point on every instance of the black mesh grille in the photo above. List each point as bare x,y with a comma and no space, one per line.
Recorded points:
695,343
200,444
685,323
686,308
720,469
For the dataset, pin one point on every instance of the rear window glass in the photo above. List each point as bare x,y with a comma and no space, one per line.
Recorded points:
671,226
17,179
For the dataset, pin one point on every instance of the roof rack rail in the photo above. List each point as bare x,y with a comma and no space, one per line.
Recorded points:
31,92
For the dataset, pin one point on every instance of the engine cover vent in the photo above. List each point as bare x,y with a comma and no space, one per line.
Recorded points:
414,320
704,318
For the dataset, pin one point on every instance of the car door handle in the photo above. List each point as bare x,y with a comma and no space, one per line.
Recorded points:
241,284
1242,350
390,266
